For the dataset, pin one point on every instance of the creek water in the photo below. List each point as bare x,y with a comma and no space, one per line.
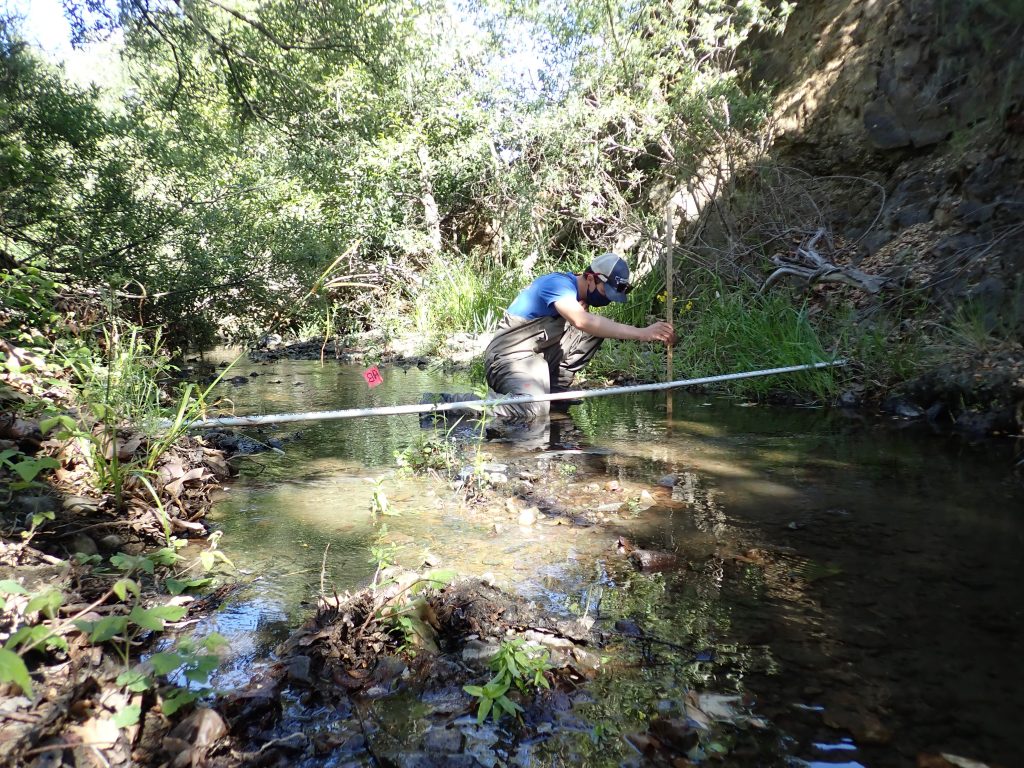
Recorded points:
858,583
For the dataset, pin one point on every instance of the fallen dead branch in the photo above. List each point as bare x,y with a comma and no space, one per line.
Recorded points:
812,268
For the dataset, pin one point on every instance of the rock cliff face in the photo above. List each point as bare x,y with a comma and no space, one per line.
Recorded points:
924,101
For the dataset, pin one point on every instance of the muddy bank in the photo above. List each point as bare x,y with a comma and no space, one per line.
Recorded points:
414,672
412,636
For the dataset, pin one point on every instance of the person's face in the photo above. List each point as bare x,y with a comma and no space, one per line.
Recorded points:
596,295
594,283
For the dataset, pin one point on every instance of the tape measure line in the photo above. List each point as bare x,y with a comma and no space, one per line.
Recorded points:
397,410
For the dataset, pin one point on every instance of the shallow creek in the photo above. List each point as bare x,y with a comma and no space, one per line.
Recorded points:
859,584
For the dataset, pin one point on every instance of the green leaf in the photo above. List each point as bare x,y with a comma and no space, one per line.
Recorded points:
123,586
206,559
154,618
223,558
27,636
165,556
13,670
165,662
473,690
62,419
48,602
215,641
9,587
169,612
176,587
135,680
130,563
485,707
199,669
128,716
146,619
496,687
29,468
39,517
434,579
104,629
508,705
177,699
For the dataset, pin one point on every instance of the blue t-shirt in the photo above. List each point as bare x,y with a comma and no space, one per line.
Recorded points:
539,297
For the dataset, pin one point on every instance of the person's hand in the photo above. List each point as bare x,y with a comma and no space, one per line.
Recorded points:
660,331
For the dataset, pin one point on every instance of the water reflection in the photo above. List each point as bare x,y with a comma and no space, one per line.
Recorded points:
851,578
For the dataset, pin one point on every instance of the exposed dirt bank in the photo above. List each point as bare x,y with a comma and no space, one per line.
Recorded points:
900,131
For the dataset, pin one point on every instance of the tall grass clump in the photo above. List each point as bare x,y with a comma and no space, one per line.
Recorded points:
724,331
124,374
463,297
884,348
120,383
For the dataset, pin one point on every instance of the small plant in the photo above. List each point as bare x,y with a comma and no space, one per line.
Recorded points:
40,626
25,467
379,504
121,383
567,470
383,555
515,664
428,452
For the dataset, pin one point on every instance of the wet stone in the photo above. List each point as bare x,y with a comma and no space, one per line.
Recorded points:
478,651
298,668
446,701
443,740
528,516
33,504
647,560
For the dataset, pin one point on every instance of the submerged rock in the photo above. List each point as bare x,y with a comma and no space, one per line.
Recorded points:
648,560
528,516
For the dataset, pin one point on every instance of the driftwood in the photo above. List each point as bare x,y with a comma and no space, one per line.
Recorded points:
808,264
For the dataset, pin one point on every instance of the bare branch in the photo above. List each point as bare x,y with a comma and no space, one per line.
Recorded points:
813,268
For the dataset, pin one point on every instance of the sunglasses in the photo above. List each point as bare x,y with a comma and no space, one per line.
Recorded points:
620,284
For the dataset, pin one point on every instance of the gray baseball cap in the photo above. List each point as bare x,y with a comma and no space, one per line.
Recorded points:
613,271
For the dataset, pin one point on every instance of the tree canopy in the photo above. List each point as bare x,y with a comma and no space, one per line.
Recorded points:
256,160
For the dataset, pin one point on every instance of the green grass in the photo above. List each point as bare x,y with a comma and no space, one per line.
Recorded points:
463,297
123,376
726,331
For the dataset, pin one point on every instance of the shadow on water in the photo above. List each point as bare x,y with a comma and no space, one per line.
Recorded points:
858,583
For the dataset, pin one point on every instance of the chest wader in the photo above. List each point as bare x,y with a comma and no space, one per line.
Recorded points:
534,357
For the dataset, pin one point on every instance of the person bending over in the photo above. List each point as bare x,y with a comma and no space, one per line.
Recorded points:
548,334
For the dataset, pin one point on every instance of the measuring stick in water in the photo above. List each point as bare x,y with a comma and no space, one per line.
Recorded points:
395,410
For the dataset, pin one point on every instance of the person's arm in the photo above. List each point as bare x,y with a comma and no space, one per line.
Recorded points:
605,328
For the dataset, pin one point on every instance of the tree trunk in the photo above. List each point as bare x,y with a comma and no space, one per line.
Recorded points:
431,217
